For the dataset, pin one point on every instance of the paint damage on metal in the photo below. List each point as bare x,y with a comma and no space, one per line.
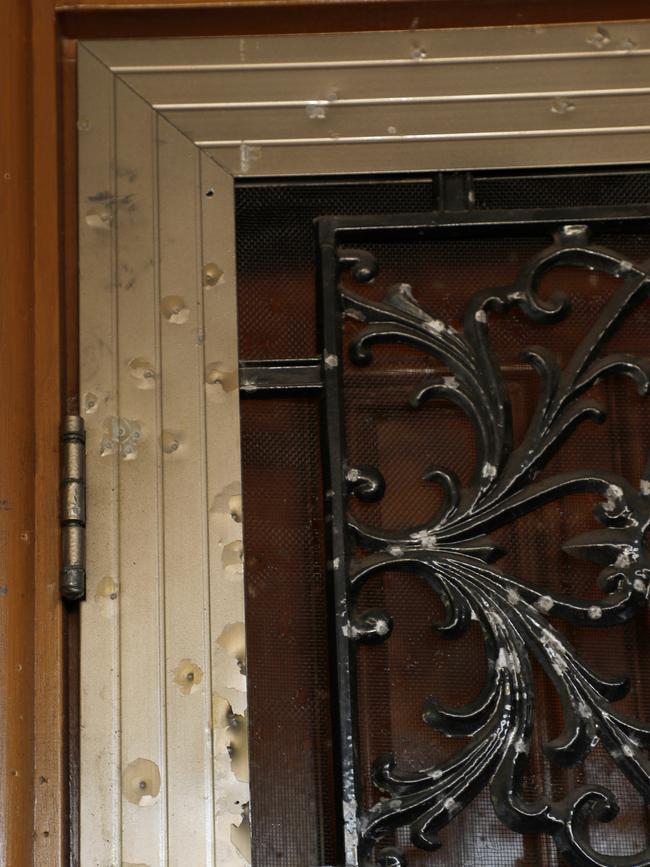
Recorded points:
141,782
188,676
120,436
228,501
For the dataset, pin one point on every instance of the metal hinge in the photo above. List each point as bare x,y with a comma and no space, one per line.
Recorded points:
73,508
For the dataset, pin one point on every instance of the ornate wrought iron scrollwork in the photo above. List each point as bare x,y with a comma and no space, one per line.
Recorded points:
454,553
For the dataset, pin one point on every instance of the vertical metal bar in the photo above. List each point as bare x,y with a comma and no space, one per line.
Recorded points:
100,662
337,537
187,640
133,440
455,191
224,594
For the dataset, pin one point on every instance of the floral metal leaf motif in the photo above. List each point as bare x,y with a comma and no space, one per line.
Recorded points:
454,554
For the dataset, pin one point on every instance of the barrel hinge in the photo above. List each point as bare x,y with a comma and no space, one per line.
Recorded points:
73,508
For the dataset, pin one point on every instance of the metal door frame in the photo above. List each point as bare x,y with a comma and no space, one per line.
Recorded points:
177,122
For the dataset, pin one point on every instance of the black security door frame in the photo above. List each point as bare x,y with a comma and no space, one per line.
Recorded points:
454,553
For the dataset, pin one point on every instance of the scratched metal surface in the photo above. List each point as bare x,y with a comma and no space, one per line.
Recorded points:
164,776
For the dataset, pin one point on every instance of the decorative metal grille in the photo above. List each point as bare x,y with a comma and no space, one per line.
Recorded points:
453,551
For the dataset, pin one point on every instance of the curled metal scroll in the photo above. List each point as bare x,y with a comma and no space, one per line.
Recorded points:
454,554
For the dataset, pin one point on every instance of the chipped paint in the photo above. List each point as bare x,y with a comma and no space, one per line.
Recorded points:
451,806
544,603
99,217
141,782
89,402
231,736
174,309
331,360
170,442
238,746
584,711
188,676
488,471
425,538
240,835
513,596
233,641
142,371
228,501
232,558
626,557
120,436
106,593
212,275
435,326
248,155
220,380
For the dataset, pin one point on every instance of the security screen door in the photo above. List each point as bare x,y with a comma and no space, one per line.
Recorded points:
446,496
364,357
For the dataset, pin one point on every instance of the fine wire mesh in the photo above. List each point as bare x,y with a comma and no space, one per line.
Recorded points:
276,255
290,663
562,190
293,806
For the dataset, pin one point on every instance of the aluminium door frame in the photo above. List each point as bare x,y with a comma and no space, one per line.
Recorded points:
229,108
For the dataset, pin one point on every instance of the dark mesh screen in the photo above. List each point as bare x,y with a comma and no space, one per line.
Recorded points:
562,190
292,779
293,805
276,255
290,666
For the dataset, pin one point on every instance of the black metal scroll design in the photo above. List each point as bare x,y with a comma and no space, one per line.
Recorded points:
453,553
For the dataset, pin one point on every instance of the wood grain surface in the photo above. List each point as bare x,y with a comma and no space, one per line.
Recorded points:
17,465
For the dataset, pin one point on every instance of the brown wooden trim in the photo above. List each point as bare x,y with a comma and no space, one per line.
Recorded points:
118,19
17,439
50,760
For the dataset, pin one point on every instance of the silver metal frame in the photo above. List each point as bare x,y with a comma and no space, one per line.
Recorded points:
401,101
164,129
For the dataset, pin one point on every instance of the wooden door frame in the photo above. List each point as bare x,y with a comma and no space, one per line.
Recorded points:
38,356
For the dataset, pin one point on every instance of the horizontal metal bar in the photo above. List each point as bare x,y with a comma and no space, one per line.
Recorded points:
415,81
346,180
386,62
280,376
435,221
584,39
340,123
271,103
417,157
428,137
